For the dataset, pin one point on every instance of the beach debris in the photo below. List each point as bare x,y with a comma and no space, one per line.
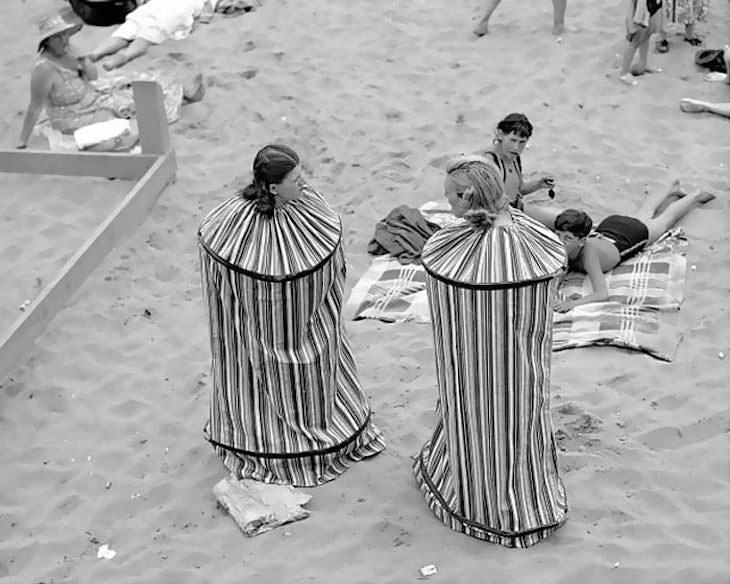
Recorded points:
428,570
693,267
105,552
108,485
257,507
617,564
721,355
24,305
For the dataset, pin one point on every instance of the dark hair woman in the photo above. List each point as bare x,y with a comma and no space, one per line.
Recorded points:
286,405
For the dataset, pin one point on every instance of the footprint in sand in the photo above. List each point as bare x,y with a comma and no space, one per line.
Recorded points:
576,428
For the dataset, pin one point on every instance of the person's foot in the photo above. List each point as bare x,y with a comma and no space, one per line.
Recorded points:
638,71
704,197
692,106
627,80
482,28
675,189
195,91
115,61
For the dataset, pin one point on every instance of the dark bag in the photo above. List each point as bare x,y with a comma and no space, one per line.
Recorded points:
104,13
711,59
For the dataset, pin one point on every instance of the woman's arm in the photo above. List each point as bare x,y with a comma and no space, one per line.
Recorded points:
88,69
544,182
592,266
41,82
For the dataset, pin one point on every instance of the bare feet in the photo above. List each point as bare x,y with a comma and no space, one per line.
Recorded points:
482,28
627,80
704,197
692,106
115,61
641,71
195,91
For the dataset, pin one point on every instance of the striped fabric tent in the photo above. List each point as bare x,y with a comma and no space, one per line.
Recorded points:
286,404
490,468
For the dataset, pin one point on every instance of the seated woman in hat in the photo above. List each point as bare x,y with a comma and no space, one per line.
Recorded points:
66,84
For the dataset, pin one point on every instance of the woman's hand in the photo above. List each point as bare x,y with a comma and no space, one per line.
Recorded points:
547,181
564,306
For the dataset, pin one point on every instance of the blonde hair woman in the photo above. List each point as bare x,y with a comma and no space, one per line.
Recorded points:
490,468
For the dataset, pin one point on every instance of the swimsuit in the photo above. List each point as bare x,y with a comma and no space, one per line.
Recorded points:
628,234
515,201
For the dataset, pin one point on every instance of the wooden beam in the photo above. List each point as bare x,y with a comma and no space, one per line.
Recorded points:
154,136
124,166
15,345
155,168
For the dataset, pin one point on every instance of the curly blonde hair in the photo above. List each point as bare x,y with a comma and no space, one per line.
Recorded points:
483,188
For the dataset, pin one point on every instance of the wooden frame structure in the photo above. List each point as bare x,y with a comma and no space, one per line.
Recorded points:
152,171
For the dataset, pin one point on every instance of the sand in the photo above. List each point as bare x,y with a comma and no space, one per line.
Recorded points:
101,422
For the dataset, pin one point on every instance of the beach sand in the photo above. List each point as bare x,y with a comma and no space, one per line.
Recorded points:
101,422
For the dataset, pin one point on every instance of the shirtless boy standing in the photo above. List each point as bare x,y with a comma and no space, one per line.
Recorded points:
617,237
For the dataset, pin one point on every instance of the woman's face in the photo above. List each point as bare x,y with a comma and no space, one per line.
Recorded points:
291,188
511,144
453,192
59,43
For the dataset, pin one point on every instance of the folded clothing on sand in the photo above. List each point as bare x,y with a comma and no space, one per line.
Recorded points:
402,234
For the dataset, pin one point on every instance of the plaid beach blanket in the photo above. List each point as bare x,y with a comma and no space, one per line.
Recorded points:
640,314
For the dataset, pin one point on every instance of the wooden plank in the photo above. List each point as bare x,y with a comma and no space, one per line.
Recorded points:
123,166
16,344
154,136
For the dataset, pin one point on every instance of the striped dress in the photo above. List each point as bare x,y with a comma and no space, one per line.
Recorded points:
286,404
490,468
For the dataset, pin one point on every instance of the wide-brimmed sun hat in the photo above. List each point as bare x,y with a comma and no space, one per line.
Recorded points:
58,22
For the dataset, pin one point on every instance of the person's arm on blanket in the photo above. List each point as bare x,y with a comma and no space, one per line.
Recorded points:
592,266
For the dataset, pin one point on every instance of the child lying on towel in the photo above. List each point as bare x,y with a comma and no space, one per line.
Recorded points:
617,237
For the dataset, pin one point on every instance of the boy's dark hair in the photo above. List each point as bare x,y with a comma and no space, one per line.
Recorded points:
517,123
576,222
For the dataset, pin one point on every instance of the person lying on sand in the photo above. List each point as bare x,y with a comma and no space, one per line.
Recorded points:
618,237
558,17
152,23
693,106
510,140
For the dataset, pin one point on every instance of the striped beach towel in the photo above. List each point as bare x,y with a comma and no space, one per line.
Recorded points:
641,313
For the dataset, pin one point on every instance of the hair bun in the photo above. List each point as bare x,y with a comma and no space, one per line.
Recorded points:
480,218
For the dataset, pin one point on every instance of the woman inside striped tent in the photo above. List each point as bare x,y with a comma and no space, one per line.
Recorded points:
490,469
286,404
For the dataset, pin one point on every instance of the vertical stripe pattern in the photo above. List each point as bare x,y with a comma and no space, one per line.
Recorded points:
286,404
490,468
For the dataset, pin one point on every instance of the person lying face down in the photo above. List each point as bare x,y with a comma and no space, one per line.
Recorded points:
618,237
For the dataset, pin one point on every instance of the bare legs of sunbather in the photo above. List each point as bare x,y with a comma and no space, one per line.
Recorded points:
693,106
659,212
121,50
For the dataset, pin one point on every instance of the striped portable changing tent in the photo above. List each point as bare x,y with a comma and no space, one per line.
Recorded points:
286,405
490,468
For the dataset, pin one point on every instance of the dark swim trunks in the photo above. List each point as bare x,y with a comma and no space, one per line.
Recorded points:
628,234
